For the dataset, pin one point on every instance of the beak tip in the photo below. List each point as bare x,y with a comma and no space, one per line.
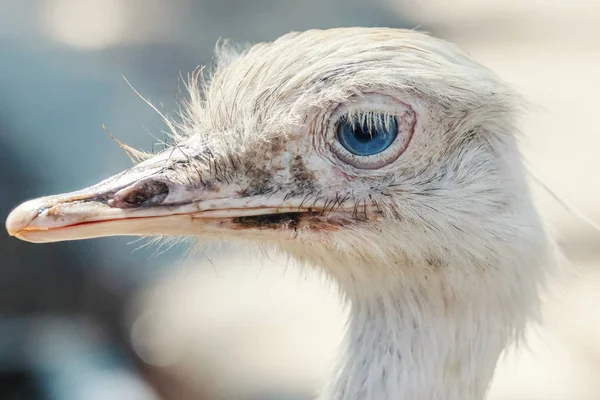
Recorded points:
21,217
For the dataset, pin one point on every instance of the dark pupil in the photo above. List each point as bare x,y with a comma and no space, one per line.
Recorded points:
363,134
369,134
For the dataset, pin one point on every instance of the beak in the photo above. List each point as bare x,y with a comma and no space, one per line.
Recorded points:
149,199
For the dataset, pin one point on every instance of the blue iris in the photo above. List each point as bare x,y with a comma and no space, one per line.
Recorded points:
369,135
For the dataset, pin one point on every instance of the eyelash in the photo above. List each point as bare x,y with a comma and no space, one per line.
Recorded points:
371,118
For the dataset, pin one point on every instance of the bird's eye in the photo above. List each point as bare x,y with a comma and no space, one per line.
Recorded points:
367,134
370,131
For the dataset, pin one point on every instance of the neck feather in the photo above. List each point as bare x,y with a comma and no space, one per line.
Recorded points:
415,337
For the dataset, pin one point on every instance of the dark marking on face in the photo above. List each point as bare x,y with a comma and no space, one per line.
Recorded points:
435,262
303,179
277,145
257,169
288,220
208,184
259,180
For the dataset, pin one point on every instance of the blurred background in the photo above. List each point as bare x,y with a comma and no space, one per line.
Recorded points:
117,319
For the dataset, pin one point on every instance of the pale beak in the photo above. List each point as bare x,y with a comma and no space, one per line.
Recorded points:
146,200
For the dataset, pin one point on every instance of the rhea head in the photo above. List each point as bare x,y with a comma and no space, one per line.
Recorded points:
386,157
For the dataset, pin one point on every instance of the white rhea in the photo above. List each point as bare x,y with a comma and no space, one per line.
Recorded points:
386,158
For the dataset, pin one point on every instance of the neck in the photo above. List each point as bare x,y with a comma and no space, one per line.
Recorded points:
417,339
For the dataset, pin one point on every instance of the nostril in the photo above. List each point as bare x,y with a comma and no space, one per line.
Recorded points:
137,197
147,194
